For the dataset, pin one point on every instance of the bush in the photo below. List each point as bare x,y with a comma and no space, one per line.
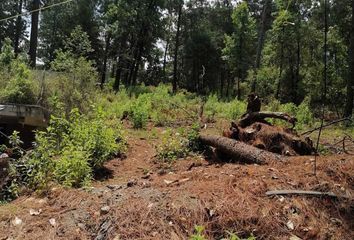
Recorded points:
71,149
72,168
173,146
140,111
19,89
73,83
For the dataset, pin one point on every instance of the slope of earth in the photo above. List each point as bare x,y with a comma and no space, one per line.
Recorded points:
139,200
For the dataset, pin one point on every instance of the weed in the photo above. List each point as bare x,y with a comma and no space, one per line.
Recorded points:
198,233
173,146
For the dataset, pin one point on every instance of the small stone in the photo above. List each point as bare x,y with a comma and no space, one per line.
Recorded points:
17,221
105,210
52,222
290,225
281,199
34,212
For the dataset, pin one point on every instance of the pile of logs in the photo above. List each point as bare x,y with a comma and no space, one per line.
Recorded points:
254,140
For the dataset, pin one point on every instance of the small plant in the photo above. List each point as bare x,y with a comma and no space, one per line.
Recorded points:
198,233
173,146
194,142
140,111
233,236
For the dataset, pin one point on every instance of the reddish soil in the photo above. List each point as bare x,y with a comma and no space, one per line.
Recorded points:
147,202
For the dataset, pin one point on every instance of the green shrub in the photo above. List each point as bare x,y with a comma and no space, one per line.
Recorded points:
173,146
140,111
304,115
20,88
73,82
100,141
198,233
72,168
40,164
211,108
235,109
72,148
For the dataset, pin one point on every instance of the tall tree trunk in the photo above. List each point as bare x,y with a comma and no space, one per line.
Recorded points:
18,28
350,84
298,63
105,59
222,81
165,61
117,76
34,33
240,72
261,37
280,67
175,63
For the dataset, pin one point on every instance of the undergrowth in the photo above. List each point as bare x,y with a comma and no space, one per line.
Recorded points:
68,152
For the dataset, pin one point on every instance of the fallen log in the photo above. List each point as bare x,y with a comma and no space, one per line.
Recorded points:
302,192
239,151
252,117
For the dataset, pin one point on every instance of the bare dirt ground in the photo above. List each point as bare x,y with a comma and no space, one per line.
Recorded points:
135,199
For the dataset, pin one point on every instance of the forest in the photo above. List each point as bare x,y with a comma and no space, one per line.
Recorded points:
176,119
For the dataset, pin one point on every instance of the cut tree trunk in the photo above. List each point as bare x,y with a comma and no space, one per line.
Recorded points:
239,151
250,118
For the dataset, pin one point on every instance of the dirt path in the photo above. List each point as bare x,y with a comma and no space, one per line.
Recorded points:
139,201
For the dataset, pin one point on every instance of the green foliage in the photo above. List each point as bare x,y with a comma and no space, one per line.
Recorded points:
72,168
7,54
233,236
140,111
198,233
173,145
239,47
229,110
15,78
72,148
78,43
74,82
302,112
20,88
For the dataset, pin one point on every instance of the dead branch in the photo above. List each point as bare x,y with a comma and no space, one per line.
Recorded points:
239,151
326,125
302,192
252,117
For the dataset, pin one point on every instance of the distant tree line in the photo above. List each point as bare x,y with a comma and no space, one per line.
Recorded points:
225,47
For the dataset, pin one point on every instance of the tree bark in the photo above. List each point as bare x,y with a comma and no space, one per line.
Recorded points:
280,66
18,28
350,84
239,151
34,33
253,117
175,63
165,61
105,59
261,38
